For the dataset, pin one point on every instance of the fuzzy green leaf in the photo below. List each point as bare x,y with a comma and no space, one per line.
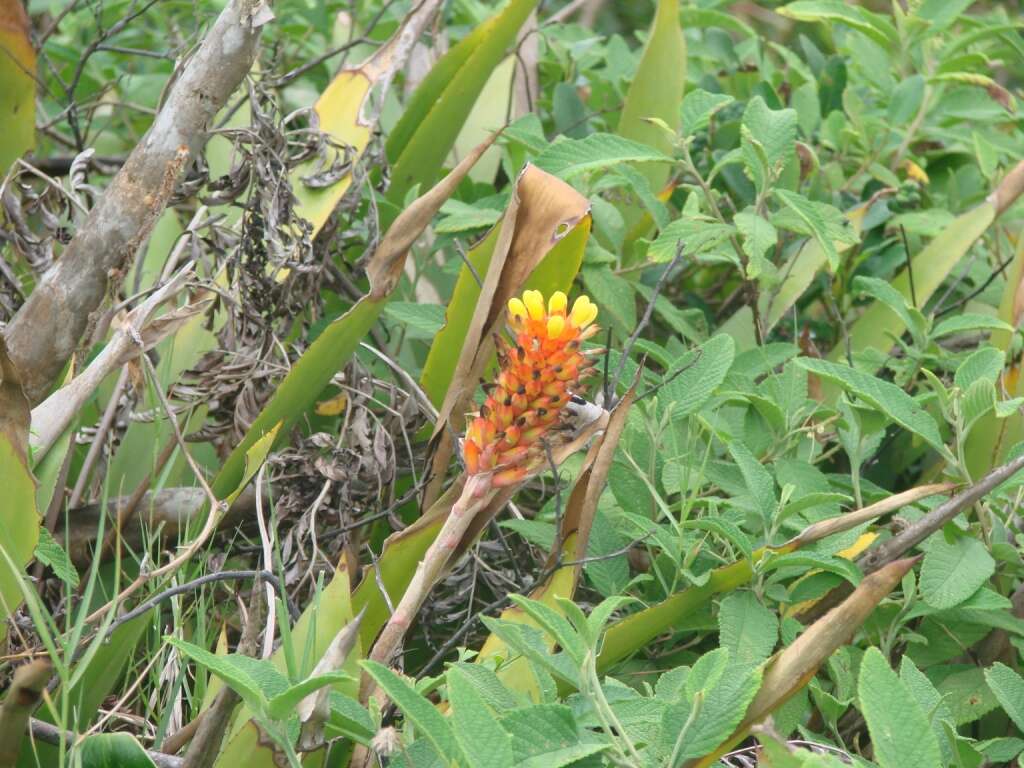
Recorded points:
900,733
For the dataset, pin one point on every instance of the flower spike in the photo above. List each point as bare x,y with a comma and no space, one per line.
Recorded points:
538,375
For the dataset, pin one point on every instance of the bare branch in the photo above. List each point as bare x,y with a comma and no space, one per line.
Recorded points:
51,734
46,330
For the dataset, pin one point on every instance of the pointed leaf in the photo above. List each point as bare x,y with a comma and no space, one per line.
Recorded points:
900,733
656,90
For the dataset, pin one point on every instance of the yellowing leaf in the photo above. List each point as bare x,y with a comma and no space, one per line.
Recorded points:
18,94
332,407
18,518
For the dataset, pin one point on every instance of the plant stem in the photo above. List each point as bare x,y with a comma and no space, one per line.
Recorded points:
475,495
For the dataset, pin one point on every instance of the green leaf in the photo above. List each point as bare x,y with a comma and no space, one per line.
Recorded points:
283,704
461,217
699,107
546,736
978,400
906,100
748,629
810,221
529,641
1000,750
717,696
814,499
985,363
836,11
536,532
951,573
698,235
758,480
969,322
552,622
429,722
768,140
801,268
885,293
570,157
349,719
614,295
726,529
1008,687
968,695
422,138
700,377
883,395
941,13
51,554
484,742
900,733
255,680
808,560
601,612
656,89
931,703
113,750
421,321
759,236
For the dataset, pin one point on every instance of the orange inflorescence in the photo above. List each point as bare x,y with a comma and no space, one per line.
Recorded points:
537,376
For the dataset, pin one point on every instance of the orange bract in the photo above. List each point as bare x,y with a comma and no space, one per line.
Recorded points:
537,375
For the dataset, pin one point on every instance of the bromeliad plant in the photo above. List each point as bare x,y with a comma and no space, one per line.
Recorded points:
522,426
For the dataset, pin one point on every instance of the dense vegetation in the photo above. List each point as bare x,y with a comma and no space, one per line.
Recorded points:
259,262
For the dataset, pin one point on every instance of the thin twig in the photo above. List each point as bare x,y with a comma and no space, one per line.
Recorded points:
469,265
99,438
919,530
997,272
910,266
698,353
217,508
51,734
191,586
287,77
648,313
268,564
